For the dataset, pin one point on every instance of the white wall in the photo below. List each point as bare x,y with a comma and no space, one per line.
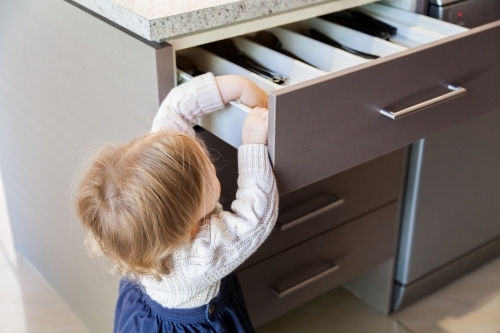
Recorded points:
68,82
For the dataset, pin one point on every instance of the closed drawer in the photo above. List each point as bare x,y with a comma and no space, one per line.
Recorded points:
293,277
328,119
312,210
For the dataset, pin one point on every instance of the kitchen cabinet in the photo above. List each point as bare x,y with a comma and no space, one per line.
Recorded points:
347,225
315,266
354,96
90,80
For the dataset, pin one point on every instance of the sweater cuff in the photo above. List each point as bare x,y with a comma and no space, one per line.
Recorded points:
207,93
254,158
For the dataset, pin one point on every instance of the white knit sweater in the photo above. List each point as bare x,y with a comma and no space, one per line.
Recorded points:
228,239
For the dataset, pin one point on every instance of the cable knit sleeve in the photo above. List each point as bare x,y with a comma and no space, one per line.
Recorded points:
184,104
229,239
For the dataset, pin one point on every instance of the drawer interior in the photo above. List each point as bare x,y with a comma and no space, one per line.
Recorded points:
319,58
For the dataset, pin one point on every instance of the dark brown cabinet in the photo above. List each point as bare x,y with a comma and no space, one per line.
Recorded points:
337,145
292,277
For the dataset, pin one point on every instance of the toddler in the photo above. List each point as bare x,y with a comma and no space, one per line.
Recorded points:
151,207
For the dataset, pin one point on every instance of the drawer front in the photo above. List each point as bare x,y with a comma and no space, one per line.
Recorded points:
326,118
316,208
329,124
296,276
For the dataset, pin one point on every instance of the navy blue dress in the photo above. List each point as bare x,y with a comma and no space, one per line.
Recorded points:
137,312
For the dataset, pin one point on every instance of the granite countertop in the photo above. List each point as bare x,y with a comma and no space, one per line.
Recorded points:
160,19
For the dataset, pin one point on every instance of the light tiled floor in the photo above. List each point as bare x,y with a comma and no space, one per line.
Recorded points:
468,305
471,304
336,311
28,304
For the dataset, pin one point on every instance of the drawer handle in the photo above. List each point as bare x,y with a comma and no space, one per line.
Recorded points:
334,204
282,293
455,92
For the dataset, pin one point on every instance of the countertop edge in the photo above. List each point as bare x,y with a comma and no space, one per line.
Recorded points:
119,15
191,21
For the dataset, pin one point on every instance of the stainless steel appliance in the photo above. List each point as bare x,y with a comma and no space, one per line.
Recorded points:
468,13
451,221
451,218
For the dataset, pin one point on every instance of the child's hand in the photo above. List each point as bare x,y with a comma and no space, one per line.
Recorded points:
255,127
252,96
235,87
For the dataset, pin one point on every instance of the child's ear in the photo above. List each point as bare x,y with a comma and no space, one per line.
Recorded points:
194,229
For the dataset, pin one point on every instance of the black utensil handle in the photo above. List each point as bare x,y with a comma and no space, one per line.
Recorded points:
392,30
313,33
255,66
349,21
359,53
252,66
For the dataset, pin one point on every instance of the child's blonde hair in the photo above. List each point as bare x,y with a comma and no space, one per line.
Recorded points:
139,201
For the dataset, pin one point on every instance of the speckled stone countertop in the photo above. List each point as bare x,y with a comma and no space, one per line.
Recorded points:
159,19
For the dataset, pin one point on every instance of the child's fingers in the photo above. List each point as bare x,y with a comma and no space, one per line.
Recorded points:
255,127
258,111
252,95
264,115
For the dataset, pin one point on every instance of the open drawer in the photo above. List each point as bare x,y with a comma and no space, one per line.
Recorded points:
342,112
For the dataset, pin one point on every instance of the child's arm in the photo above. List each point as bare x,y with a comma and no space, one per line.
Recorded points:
234,87
204,94
229,239
222,245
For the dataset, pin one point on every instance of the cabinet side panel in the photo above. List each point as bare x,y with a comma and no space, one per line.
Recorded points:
166,72
69,83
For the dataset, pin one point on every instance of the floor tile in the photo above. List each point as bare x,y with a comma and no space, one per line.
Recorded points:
12,318
29,305
469,305
335,311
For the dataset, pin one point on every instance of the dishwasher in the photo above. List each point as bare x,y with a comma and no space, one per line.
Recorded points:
451,212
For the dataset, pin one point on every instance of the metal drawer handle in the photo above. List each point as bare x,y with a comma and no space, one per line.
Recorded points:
455,92
282,293
334,204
